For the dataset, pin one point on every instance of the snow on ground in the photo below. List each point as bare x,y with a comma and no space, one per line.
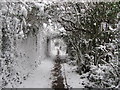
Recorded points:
73,79
40,78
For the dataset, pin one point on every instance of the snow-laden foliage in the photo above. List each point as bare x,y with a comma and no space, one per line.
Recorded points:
91,33
92,36
102,76
19,36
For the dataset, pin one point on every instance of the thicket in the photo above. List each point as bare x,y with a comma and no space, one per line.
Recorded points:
93,38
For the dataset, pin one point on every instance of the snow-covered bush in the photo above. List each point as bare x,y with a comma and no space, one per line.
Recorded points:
102,76
105,53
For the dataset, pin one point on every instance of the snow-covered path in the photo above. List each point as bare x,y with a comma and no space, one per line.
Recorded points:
40,78
73,79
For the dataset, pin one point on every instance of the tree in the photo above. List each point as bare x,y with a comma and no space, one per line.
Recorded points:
89,33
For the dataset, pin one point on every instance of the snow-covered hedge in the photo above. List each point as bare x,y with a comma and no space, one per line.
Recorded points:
22,40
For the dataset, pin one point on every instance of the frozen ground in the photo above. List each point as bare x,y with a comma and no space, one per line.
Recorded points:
40,78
